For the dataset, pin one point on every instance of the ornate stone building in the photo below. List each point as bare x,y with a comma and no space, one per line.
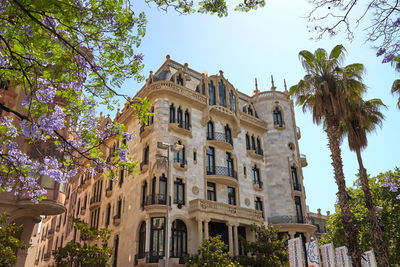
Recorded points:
239,164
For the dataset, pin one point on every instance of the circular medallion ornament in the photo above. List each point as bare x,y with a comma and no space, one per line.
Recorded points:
195,190
247,202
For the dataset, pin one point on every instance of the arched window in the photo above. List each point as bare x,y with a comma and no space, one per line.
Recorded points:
180,156
151,118
256,175
153,190
228,135
232,102
142,240
222,94
210,130
250,110
179,117
179,79
211,94
179,239
253,143
162,189
259,149
229,165
144,192
172,114
295,180
247,141
278,117
203,88
187,120
108,216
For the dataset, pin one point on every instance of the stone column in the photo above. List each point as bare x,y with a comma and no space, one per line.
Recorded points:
200,231
28,225
236,239
230,238
308,236
206,221
147,243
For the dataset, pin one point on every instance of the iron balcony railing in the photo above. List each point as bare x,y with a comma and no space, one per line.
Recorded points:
156,199
223,171
288,219
220,137
303,156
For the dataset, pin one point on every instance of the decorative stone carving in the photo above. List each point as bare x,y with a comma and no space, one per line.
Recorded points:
247,202
195,190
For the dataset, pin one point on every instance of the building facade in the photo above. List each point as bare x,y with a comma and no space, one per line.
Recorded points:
238,163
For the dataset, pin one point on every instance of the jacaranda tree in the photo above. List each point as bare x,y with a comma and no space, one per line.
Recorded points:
65,59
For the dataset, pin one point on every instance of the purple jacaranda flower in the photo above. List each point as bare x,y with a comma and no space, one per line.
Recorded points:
4,62
138,58
380,52
396,23
46,95
28,30
54,122
393,187
398,197
123,154
388,58
50,22
128,136
27,101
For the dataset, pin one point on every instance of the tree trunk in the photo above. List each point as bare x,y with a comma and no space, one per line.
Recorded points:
376,231
350,230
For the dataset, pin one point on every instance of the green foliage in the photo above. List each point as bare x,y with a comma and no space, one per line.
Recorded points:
267,251
213,252
74,254
389,217
9,244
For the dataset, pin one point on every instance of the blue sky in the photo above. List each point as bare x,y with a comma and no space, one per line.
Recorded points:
265,42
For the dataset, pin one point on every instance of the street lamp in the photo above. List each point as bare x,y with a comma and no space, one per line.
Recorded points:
175,148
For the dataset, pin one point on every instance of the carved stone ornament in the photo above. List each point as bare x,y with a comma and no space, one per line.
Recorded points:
195,190
247,202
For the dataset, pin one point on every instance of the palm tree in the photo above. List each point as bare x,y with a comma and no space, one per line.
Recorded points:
363,118
396,83
323,91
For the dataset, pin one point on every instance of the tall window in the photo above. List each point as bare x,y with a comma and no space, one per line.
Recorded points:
179,192
116,245
203,88
121,177
256,176
231,196
179,79
94,218
211,94
228,135
179,239
210,161
157,238
253,143
142,240
97,191
179,117
162,189
258,148
247,141
119,209
172,114
187,120
210,130
144,192
258,204
211,192
232,102
250,111
299,211
222,94
295,180
146,154
229,164
180,156
153,190
108,215
278,117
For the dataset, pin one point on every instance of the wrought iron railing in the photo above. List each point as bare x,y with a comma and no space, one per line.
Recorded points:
220,137
220,170
303,156
288,219
156,199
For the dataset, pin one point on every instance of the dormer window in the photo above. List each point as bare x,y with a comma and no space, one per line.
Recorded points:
179,79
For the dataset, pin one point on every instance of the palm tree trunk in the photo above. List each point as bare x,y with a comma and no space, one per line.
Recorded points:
350,230
376,231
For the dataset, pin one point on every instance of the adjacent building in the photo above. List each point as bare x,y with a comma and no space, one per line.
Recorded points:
226,159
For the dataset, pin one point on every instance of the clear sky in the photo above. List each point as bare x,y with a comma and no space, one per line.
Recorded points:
265,42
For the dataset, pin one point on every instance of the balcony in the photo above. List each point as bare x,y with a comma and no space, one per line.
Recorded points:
303,160
289,223
222,175
95,202
144,166
155,203
298,132
217,210
180,164
182,128
258,186
257,153
220,140
117,220
145,130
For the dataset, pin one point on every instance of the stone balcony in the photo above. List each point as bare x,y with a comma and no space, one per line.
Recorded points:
256,153
293,224
94,202
223,211
183,128
220,140
145,130
222,175
303,160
